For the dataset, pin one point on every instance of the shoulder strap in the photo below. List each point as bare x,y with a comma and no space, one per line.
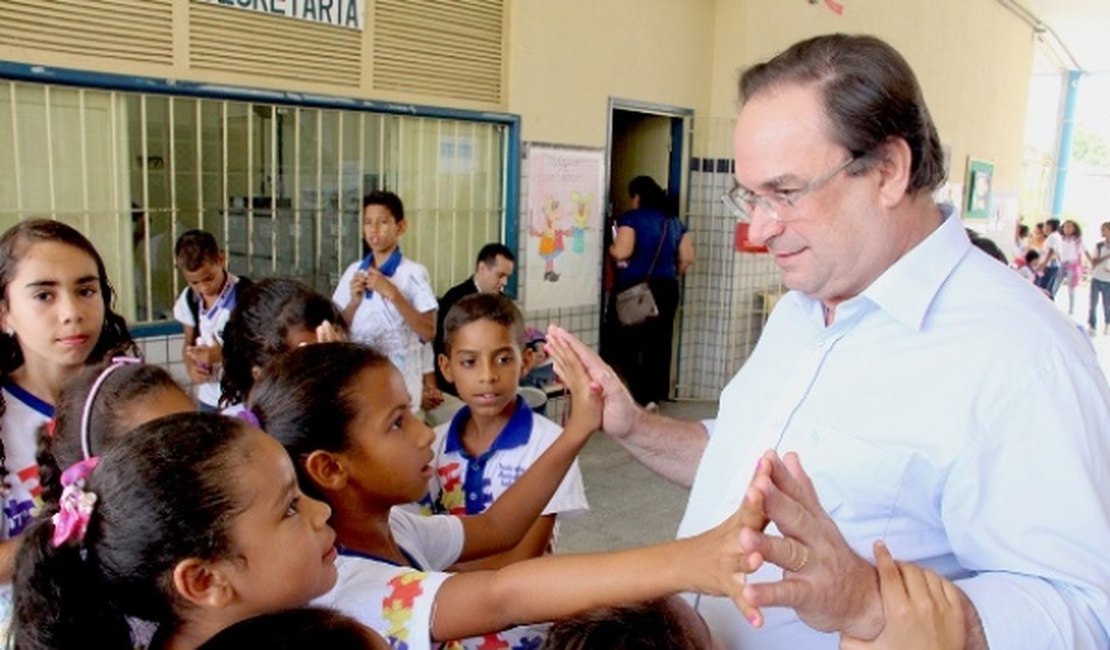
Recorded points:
193,303
662,238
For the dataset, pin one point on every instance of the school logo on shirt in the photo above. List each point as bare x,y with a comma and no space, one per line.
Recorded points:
20,513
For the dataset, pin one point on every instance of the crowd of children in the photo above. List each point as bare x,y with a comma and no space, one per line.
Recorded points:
133,519
1052,256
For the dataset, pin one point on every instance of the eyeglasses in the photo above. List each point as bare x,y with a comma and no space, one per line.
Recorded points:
743,202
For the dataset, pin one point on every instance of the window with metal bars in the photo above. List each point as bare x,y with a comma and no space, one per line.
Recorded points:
279,185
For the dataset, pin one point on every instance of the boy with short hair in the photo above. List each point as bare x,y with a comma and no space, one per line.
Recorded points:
494,438
203,309
386,297
1099,257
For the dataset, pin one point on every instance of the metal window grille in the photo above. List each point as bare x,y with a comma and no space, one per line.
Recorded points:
280,186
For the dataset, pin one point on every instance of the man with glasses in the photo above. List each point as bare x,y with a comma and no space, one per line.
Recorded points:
889,370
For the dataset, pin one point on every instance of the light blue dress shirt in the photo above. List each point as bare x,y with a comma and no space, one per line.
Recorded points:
949,410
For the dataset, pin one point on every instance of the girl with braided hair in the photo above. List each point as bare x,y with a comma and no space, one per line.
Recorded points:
55,316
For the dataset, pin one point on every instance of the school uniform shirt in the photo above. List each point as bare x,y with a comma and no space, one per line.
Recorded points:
210,329
24,416
378,324
1053,242
464,485
398,601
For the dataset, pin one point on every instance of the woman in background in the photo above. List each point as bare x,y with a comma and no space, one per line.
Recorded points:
651,244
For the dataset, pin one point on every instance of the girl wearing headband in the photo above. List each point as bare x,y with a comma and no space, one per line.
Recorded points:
96,408
193,522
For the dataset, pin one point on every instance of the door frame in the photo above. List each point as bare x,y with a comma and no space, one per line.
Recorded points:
678,176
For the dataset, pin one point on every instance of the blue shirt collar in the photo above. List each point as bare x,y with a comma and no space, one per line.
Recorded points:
30,400
515,433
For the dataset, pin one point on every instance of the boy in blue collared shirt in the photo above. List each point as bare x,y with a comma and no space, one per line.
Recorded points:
495,437
387,298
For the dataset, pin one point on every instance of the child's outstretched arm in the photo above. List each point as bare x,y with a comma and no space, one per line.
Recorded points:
510,517
923,610
557,586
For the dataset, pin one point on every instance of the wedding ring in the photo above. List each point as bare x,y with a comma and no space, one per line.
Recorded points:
804,562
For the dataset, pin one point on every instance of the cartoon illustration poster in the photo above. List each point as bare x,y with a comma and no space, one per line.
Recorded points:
563,226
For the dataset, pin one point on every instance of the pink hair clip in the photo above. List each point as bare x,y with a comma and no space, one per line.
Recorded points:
76,505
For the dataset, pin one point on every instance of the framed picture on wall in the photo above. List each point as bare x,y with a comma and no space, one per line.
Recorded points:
980,175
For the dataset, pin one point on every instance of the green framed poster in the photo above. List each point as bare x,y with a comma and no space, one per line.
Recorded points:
980,176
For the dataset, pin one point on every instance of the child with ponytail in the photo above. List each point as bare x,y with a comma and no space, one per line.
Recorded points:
192,522
342,412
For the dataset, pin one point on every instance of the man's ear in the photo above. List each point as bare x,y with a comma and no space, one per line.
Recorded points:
527,357
895,164
202,583
402,226
326,471
445,367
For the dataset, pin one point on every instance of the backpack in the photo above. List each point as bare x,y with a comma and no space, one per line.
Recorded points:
193,300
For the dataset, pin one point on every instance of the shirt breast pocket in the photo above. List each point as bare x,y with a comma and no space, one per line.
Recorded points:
857,480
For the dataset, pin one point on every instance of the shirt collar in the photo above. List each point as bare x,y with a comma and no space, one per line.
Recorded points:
909,286
32,401
515,433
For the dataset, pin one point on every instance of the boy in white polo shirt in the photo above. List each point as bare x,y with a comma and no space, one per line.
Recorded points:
495,437
387,298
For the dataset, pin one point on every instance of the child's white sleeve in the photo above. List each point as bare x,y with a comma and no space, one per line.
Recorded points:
570,497
418,290
396,602
181,311
435,542
342,294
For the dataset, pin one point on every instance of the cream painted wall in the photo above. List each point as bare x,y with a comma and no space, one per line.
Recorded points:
973,59
567,58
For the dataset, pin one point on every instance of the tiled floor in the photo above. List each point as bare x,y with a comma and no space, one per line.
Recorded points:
629,504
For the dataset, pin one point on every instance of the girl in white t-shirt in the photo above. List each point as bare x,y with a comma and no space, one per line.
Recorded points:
192,523
342,412
55,315
1071,259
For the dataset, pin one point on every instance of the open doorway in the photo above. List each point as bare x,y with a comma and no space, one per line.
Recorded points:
652,140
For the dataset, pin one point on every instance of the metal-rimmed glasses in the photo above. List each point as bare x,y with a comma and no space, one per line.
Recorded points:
743,202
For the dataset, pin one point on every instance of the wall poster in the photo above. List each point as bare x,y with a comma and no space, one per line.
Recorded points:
563,226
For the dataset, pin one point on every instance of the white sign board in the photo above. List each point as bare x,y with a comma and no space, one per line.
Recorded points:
337,13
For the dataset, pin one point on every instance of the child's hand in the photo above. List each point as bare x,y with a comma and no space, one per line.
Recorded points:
197,365
205,355
431,397
375,281
358,287
197,374
326,333
923,611
717,563
585,395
